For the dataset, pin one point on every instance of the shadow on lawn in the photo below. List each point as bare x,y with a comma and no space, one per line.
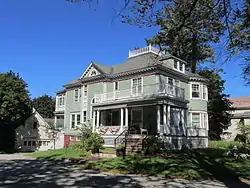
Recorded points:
34,173
195,164
217,170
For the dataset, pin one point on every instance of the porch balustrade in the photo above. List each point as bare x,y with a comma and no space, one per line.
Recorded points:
146,91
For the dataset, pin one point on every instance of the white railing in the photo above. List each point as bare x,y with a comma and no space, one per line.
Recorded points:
187,131
60,107
146,91
147,49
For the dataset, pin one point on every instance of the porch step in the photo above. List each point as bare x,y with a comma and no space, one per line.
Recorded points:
134,145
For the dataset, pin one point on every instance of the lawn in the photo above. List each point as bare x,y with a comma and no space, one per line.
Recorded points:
58,154
208,163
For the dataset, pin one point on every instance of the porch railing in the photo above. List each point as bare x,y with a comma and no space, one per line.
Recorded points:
180,131
145,91
121,138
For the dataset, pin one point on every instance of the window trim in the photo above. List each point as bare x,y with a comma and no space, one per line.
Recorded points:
84,116
201,86
191,91
202,120
178,66
79,94
118,86
75,121
131,85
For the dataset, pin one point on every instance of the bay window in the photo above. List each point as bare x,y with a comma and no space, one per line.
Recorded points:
199,120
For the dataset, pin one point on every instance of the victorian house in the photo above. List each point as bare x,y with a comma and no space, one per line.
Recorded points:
151,93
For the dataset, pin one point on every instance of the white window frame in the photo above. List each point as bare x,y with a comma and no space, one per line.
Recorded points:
79,95
178,66
61,100
206,90
75,122
84,116
118,86
191,90
131,84
203,118
85,90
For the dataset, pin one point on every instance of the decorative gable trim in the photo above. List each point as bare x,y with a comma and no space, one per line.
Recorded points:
89,68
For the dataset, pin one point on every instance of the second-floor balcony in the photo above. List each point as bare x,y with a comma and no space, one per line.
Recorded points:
145,92
60,108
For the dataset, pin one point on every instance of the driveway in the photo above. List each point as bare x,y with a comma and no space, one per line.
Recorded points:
19,171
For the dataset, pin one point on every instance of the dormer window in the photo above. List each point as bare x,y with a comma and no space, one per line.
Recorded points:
175,64
179,66
93,73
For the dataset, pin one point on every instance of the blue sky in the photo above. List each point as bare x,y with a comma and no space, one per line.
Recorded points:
52,42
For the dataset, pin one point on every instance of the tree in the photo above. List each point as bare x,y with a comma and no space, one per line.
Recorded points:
241,36
15,107
45,105
245,132
218,103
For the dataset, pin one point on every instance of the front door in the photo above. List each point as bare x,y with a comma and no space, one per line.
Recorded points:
136,120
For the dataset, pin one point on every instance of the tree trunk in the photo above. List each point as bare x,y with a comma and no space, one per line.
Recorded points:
194,54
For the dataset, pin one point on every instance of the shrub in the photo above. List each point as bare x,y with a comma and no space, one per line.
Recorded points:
153,145
80,146
89,140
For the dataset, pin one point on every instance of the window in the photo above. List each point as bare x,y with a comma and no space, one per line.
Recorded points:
35,125
196,122
181,67
40,143
75,120
60,100
93,73
33,143
84,116
170,86
76,95
175,64
72,138
25,143
195,91
137,85
116,86
78,138
204,92
29,143
85,90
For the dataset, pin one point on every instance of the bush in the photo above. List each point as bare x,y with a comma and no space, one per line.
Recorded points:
153,145
89,140
80,147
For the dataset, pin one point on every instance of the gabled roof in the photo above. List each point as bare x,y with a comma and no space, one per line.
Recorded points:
241,102
132,65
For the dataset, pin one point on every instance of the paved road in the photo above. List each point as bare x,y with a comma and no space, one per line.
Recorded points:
17,171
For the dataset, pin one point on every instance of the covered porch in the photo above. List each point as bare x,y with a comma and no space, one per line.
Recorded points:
149,119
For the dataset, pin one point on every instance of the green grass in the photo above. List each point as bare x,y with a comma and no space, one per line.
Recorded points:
223,144
208,163
108,150
58,154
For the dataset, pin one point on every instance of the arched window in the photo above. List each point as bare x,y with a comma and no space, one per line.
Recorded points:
93,73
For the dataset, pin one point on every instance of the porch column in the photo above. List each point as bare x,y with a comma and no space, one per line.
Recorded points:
126,117
182,118
164,114
93,123
55,121
158,118
168,115
121,121
98,119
